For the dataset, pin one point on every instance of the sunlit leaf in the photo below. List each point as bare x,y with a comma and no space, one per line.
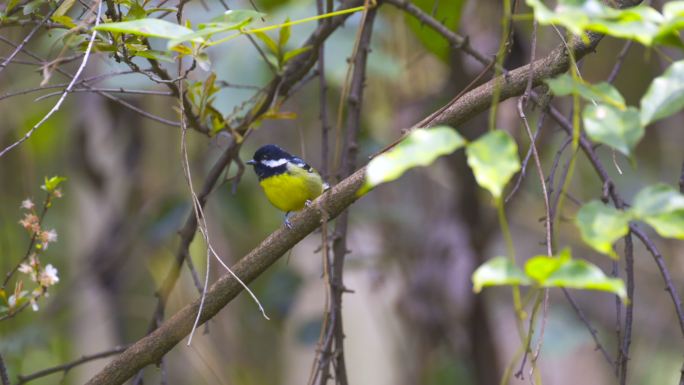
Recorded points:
64,20
51,184
665,95
420,148
572,274
619,129
498,271
639,23
295,52
270,43
136,12
146,27
601,92
662,207
63,8
447,12
601,225
494,160
207,30
673,13
9,6
539,268
284,35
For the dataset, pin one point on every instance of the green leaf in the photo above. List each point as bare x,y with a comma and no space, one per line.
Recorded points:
229,21
64,8
295,52
540,267
662,207
496,272
447,12
284,35
236,16
665,95
619,129
136,12
573,274
53,183
9,6
202,34
573,15
420,148
64,20
146,27
639,23
601,225
601,92
32,7
494,160
270,43
673,11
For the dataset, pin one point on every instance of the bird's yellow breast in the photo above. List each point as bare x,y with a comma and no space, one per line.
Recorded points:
290,190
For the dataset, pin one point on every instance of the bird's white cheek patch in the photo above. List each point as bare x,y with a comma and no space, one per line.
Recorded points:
274,163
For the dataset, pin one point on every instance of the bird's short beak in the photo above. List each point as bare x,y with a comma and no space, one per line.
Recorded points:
251,162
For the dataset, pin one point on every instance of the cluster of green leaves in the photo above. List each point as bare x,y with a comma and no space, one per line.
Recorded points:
494,160
608,120
10,13
234,21
660,205
641,23
544,271
136,26
493,157
130,39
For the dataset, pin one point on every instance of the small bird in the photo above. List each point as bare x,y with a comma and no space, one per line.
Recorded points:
288,182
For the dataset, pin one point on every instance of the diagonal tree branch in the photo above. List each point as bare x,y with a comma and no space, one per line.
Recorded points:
294,72
153,347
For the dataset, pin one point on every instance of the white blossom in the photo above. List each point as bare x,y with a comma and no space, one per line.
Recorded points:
48,276
27,204
25,268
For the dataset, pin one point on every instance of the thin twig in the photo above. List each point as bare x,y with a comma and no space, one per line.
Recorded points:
70,365
4,378
66,91
592,331
660,261
29,36
629,316
333,353
111,90
588,149
619,60
456,40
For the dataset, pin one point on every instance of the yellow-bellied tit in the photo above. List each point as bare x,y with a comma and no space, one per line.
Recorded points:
288,182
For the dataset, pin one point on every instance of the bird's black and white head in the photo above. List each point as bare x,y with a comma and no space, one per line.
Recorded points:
270,160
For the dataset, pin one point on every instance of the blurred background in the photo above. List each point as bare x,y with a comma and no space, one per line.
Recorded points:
412,317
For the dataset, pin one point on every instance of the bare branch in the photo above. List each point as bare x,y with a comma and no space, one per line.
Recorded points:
66,91
70,365
588,149
29,36
111,90
4,379
592,331
629,317
152,347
